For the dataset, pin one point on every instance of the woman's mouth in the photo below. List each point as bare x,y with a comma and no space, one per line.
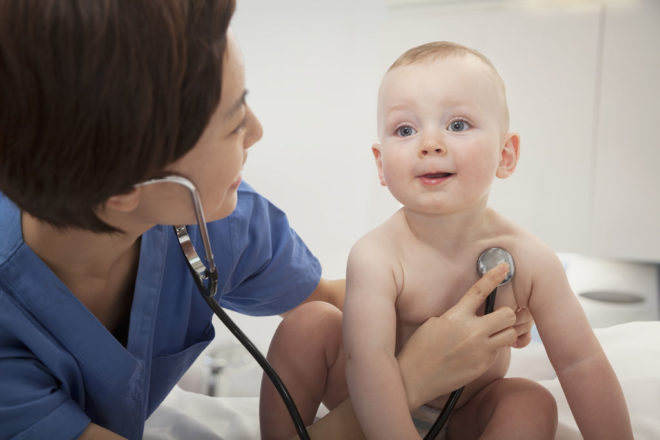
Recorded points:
434,178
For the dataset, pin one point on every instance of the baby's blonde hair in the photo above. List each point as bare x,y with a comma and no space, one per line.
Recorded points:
438,50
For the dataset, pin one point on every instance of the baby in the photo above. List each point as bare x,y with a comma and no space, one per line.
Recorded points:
443,127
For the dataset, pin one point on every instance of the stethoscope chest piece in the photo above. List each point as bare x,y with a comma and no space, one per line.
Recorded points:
492,257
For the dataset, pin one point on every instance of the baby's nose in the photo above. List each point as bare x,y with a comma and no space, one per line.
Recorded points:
432,149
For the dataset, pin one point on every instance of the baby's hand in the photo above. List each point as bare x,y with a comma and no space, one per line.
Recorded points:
523,327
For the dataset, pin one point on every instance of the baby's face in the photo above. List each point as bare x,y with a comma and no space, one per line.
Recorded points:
442,125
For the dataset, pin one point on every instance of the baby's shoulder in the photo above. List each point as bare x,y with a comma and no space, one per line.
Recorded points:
386,234
530,253
381,245
516,236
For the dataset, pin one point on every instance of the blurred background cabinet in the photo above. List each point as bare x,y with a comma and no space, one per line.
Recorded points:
626,204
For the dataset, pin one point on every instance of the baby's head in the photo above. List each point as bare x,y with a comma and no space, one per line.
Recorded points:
443,120
469,59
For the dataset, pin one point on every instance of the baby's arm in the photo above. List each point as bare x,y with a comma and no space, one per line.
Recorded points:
374,379
586,376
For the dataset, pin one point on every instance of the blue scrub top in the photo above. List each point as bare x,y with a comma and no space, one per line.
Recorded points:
60,368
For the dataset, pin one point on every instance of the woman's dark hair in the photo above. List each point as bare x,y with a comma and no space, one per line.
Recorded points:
97,95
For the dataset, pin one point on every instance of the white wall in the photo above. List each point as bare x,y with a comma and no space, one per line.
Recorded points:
312,80
313,69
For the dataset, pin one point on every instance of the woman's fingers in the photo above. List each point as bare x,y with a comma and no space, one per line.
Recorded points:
475,297
505,338
455,348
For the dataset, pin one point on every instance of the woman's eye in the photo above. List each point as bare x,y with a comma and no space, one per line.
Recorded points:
240,126
405,131
458,125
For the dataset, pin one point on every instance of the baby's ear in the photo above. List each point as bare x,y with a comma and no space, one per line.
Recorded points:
375,149
509,155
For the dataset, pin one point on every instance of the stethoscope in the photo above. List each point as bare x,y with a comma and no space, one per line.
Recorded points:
487,260
205,276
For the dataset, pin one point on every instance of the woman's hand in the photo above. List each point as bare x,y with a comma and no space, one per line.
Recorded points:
455,348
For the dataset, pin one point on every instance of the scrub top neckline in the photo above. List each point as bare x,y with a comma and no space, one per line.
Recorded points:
69,322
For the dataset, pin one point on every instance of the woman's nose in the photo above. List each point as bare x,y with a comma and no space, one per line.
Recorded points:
254,129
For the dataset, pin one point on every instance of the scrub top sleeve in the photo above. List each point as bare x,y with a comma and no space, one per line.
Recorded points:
273,270
32,405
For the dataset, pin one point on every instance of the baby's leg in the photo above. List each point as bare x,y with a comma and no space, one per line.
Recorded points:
513,408
307,354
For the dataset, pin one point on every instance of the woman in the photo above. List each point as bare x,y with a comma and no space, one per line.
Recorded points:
99,317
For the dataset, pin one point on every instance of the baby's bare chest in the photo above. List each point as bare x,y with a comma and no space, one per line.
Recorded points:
431,287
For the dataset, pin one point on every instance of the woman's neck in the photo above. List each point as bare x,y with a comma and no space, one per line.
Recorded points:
75,253
98,268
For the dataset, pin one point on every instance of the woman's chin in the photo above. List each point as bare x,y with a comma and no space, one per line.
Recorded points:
223,210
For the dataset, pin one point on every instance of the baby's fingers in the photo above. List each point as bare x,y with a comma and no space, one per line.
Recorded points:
524,323
522,340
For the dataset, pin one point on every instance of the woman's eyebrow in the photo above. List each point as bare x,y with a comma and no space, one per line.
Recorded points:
236,106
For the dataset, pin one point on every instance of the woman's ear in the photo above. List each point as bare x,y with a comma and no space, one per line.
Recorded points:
125,202
375,149
509,156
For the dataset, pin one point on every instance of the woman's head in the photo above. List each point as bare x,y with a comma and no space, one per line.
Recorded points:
214,164
99,95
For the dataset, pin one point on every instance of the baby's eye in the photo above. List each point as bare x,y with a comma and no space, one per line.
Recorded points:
405,131
458,125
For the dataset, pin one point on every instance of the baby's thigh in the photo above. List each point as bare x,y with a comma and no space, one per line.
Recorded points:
511,408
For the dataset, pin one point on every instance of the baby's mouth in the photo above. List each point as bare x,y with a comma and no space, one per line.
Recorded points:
436,175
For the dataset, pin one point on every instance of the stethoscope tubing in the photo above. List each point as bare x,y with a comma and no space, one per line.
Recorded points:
263,363
456,394
207,272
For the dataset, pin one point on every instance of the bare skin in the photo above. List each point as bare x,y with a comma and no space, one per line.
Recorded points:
444,138
444,351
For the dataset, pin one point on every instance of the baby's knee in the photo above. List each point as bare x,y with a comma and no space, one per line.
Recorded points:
536,399
313,315
312,322
543,398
